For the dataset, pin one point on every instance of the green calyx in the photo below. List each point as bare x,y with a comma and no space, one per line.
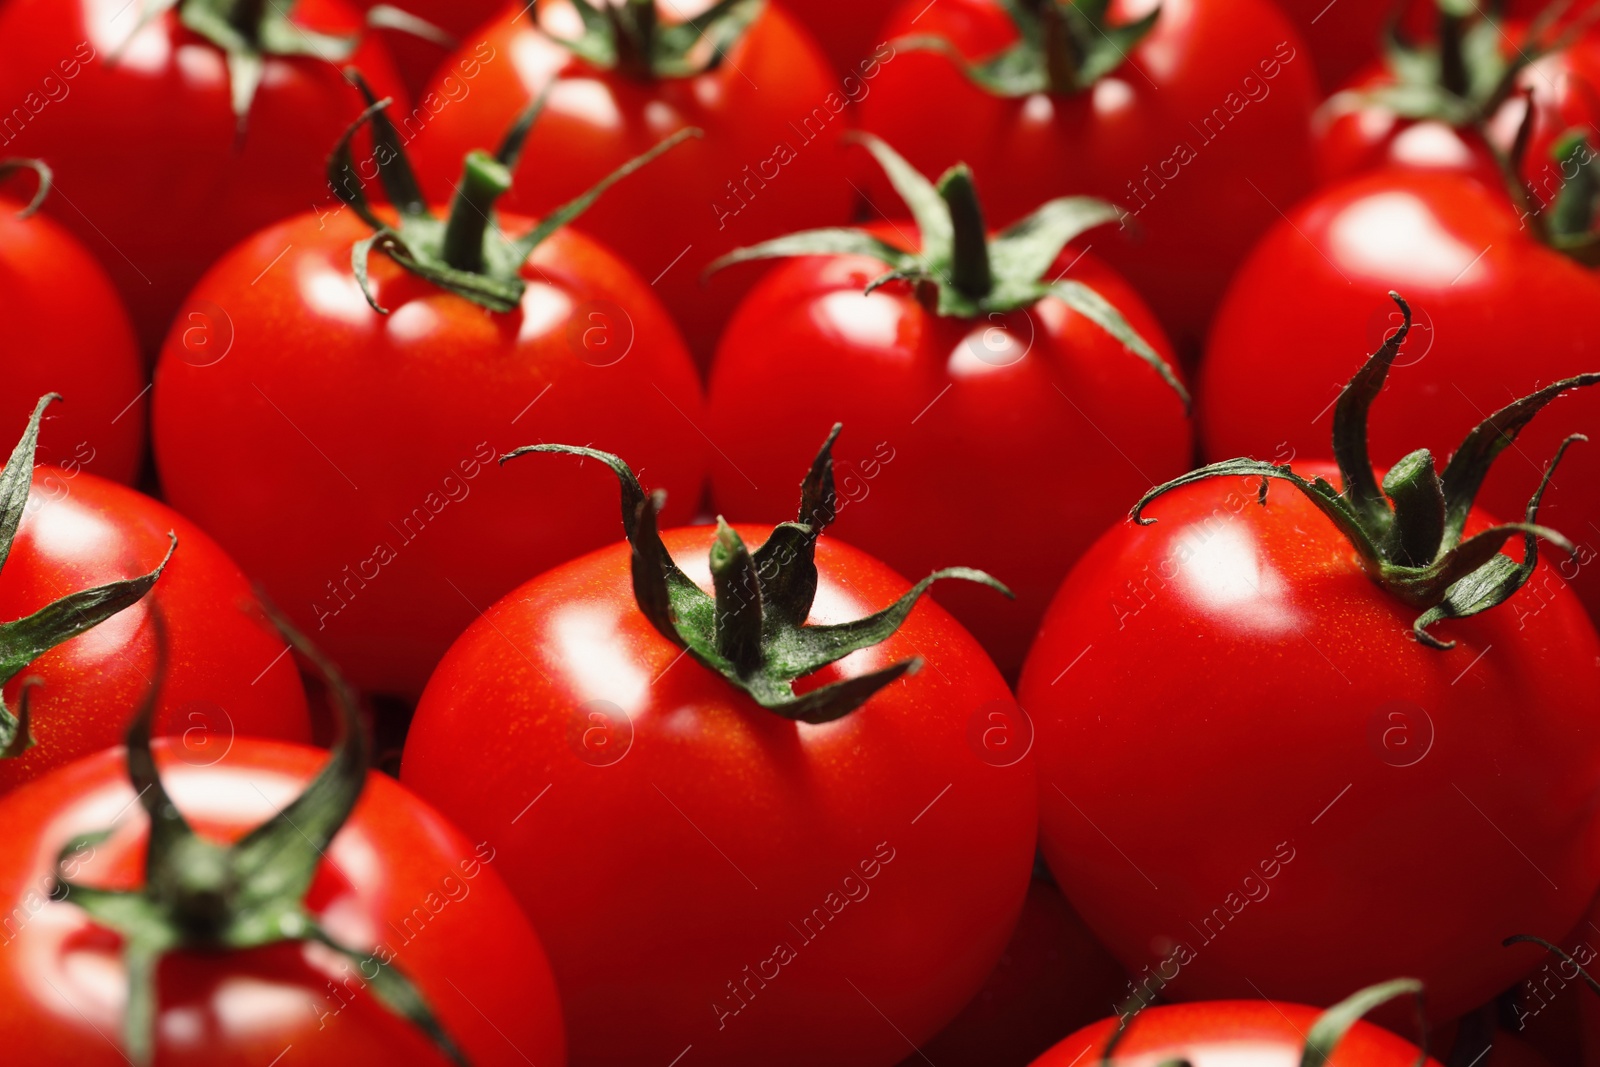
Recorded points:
1464,77
249,31
1409,532
628,36
962,271
24,640
1321,1040
41,169
1063,46
204,896
752,628
466,253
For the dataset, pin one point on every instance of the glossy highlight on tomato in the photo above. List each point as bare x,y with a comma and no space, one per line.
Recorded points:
1227,1033
154,172
772,112
391,445
1007,442
397,878
1305,768
750,875
1201,136
1498,315
233,679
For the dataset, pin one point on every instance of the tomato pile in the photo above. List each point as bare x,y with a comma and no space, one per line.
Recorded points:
1109,561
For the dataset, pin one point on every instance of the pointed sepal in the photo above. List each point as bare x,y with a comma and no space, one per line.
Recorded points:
752,627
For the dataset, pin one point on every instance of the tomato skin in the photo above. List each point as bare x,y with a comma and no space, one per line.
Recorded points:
471,953
1195,219
1234,640
847,30
685,204
1054,976
805,813
1220,1033
950,426
1565,88
417,59
1482,289
151,173
320,395
67,332
228,679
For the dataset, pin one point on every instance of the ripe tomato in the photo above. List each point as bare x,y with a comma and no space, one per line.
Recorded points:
1438,128
391,442
749,874
1197,180
1225,1033
1054,976
847,30
80,532
768,163
155,171
1310,300
1039,420
66,329
1232,638
398,901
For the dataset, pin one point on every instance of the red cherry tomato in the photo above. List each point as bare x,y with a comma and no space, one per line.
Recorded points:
1054,976
387,429
153,171
1231,1032
1565,90
1007,443
397,877
764,890
231,678
1252,657
1498,314
1199,181
768,164
66,331
848,30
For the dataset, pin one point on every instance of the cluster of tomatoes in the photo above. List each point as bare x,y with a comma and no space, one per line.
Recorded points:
1222,367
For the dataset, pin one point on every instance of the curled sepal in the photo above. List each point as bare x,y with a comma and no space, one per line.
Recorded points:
969,273
1496,579
1318,491
1408,531
1470,464
1063,46
207,896
1350,427
752,628
24,640
786,566
8,167
466,253
1332,1025
1557,950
